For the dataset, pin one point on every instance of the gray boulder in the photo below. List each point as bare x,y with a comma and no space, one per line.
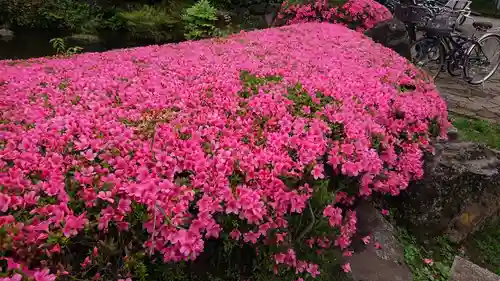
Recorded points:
459,193
392,34
6,34
83,39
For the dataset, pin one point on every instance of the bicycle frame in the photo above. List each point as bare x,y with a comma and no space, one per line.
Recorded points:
456,49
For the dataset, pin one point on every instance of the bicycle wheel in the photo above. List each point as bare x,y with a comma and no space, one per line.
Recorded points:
429,54
482,59
454,68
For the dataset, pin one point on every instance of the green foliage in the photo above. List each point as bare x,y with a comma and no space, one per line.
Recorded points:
477,130
251,83
439,250
59,45
485,247
482,248
303,99
72,15
22,13
152,22
199,21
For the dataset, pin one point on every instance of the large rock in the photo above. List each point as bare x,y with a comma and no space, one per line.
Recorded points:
464,270
460,191
369,263
392,34
6,34
83,39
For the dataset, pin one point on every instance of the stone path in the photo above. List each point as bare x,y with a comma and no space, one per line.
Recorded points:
481,101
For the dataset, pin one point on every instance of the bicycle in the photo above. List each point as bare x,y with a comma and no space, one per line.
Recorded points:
459,54
417,14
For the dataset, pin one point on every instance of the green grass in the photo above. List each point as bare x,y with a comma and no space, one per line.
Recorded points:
484,247
440,250
477,130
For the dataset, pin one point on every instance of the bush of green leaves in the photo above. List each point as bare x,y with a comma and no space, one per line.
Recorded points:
199,21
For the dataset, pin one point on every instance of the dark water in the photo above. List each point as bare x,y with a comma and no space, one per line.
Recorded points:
34,43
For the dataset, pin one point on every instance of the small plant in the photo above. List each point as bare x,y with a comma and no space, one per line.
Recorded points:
199,21
59,45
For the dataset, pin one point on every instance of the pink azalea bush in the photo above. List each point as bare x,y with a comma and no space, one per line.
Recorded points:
261,141
360,15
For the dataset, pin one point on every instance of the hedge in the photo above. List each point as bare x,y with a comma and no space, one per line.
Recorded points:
112,164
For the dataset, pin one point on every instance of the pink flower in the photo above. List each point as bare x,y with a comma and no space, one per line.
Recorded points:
95,252
428,261
346,267
44,275
56,249
313,270
334,214
74,224
280,237
251,237
310,242
86,262
4,202
347,253
377,245
235,234
106,196
385,212
366,240
15,277
317,172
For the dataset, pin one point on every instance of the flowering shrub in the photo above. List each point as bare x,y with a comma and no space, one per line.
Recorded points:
259,143
360,15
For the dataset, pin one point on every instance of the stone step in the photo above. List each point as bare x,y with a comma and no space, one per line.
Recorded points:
369,263
464,270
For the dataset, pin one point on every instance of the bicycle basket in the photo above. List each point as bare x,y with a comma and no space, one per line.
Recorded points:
444,21
412,14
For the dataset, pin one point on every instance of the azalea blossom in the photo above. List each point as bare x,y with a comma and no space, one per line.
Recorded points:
175,134
428,261
366,240
346,267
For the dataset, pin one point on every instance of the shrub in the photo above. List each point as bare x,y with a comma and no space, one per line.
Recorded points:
199,20
252,148
152,22
355,14
55,14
